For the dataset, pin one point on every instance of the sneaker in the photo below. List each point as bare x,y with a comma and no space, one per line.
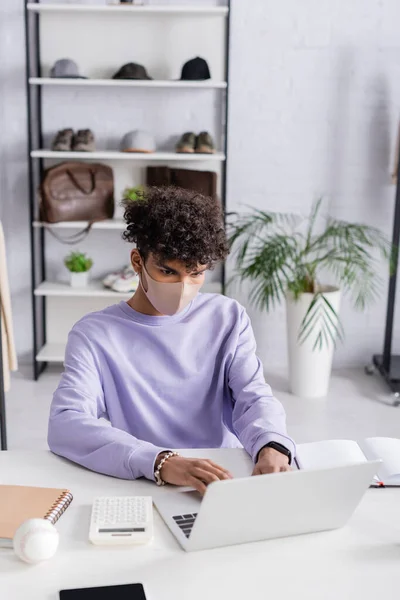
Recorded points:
187,143
205,143
124,281
111,278
63,140
127,282
83,141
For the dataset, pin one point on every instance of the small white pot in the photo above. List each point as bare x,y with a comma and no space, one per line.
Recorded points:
79,280
309,369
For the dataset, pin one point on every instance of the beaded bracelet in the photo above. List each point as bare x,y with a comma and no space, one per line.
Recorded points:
157,472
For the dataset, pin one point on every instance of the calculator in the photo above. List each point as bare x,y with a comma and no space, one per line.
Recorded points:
120,520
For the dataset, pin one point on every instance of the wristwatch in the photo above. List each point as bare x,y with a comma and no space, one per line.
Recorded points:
279,448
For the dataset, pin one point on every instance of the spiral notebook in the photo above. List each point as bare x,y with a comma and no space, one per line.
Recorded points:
19,503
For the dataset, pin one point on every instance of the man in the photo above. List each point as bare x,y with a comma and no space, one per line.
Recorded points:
171,368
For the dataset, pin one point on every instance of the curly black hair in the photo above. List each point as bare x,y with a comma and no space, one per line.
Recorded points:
176,224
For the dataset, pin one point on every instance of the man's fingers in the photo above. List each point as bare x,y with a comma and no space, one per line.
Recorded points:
256,471
198,485
219,468
286,468
204,475
218,471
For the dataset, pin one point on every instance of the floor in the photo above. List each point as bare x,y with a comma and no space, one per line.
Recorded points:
358,406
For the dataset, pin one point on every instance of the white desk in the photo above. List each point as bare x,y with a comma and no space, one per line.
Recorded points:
361,561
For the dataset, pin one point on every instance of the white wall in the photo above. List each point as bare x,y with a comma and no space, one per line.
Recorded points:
314,103
13,167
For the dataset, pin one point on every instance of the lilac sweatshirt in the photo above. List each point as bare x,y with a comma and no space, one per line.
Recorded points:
192,380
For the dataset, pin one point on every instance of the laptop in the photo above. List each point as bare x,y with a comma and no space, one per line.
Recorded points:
250,509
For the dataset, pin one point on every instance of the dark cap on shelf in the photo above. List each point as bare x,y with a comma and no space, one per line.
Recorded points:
131,71
195,69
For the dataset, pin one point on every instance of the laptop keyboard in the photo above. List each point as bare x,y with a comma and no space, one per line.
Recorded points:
185,522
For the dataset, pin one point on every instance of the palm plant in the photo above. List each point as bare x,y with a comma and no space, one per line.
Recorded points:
282,253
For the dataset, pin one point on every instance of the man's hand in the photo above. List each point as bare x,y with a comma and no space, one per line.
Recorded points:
271,461
194,472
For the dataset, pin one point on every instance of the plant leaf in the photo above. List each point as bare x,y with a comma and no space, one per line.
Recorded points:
322,319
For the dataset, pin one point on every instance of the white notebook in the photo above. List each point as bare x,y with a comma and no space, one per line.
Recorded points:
334,453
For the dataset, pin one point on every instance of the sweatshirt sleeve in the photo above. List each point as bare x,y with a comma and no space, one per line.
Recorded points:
258,417
75,429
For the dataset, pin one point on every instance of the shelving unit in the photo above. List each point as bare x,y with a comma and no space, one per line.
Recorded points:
173,10
96,289
208,84
107,224
51,353
53,298
137,156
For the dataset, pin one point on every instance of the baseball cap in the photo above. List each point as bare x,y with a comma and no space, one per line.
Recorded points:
195,69
65,67
131,71
138,141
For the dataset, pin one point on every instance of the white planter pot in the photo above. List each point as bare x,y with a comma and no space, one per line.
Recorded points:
79,280
309,369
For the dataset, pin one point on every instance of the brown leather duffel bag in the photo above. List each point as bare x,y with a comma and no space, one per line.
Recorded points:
75,191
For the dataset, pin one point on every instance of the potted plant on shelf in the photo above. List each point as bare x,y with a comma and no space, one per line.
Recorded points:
284,257
79,266
133,193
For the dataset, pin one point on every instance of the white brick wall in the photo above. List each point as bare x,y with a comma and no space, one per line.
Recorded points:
13,166
315,94
314,103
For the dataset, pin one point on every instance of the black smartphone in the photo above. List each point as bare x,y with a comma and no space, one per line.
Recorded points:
133,591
